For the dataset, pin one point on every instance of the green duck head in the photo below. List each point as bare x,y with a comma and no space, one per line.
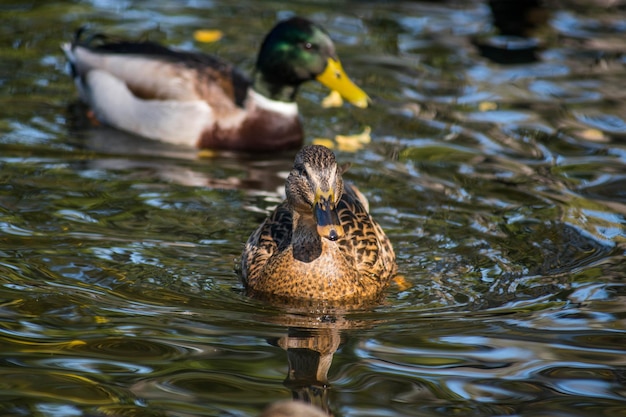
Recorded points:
295,51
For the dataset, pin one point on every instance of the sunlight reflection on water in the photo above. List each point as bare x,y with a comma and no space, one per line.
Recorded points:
500,185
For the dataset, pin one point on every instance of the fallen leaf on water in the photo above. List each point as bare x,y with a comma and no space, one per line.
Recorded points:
332,100
593,135
487,105
208,35
354,142
349,146
206,154
346,143
402,282
324,142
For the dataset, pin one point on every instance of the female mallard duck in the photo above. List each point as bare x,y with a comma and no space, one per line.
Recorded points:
320,243
199,100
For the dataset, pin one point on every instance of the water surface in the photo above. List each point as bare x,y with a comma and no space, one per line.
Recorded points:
496,167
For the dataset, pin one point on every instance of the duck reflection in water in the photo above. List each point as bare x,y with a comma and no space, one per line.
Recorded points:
309,354
315,332
116,150
291,409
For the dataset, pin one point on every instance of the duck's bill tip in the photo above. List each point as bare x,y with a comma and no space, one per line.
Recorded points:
335,78
330,232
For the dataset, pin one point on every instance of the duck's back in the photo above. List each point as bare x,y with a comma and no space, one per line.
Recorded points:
153,71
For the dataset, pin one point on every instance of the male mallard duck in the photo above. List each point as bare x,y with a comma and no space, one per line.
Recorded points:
199,100
320,243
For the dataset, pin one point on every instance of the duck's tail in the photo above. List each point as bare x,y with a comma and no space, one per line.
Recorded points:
68,50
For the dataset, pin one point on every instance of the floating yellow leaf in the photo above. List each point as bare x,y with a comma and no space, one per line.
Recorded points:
487,105
346,143
357,141
208,35
332,100
593,135
402,282
324,142
206,154
349,146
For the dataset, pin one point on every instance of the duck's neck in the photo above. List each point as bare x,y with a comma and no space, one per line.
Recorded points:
305,241
274,90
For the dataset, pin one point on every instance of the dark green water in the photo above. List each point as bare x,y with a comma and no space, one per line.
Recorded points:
502,187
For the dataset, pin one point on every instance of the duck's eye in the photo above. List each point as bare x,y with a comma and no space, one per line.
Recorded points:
300,171
309,46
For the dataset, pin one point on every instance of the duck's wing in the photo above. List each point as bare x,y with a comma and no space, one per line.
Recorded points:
364,240
272,237
153,71
154,91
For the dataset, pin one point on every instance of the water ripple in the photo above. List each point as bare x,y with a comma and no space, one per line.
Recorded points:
93,366
499,180
58,386
606,122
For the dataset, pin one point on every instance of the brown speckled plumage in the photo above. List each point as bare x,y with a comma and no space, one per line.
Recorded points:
302,251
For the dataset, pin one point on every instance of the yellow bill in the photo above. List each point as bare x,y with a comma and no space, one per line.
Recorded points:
336,79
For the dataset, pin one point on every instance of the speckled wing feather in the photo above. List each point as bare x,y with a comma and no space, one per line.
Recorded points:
364,240
272,236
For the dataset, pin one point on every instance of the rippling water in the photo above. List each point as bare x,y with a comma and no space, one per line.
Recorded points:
497,167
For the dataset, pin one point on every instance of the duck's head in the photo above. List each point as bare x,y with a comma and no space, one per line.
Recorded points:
314,188
295,51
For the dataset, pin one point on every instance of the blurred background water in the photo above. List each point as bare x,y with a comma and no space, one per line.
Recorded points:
497,167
